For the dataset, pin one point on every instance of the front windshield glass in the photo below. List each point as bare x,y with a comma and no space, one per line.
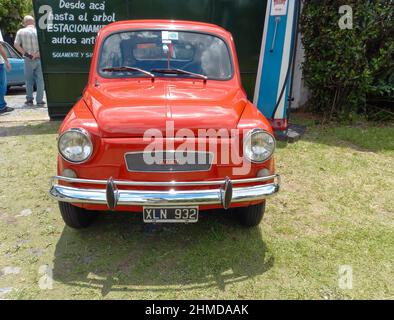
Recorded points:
197,53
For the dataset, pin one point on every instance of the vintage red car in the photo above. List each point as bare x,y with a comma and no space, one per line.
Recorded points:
164,127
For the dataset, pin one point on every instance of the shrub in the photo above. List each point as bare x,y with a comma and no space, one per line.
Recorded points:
343,68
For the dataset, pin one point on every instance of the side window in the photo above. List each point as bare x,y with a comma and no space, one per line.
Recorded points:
7,52
10,52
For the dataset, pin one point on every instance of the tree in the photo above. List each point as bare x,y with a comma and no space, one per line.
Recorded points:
12,12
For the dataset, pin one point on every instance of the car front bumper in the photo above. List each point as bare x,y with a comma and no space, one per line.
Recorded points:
224,194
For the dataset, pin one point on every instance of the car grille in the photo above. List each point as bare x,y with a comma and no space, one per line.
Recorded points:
168,161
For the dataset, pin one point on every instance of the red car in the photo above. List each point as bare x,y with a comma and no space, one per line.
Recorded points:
164,127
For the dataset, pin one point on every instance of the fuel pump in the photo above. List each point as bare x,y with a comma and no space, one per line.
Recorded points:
273,91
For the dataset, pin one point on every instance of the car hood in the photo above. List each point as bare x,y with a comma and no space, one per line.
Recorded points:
130,108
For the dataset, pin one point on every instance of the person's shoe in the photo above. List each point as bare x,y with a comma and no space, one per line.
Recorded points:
42,103
29,103
6,110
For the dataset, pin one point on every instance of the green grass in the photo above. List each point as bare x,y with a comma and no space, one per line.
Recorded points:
335,208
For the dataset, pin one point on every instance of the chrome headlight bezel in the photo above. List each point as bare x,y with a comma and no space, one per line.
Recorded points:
86,136
248,138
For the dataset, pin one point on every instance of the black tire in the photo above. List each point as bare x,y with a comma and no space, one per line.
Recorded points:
251,216
75,217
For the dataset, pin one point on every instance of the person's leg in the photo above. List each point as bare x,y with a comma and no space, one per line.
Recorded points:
29,79
3,86
38,77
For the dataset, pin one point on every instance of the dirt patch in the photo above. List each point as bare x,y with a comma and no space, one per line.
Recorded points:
6,218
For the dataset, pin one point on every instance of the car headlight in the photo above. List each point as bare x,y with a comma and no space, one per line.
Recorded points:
259,145
75,145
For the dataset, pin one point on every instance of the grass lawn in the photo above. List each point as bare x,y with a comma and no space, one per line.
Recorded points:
335,208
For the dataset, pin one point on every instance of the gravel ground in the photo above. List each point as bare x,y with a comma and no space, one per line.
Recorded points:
16,99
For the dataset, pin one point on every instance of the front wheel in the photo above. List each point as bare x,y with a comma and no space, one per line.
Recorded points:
75,217
251,216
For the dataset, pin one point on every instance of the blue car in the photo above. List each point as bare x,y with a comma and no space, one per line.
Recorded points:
16,76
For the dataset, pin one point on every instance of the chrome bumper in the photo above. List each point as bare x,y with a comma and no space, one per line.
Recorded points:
224,194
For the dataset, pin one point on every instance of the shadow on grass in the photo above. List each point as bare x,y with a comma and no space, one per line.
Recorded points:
361,136
120,253
32,129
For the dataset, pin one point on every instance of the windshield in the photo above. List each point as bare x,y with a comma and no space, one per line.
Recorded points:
153,51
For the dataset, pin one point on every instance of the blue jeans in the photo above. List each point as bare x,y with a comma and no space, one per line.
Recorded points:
3,86
33,74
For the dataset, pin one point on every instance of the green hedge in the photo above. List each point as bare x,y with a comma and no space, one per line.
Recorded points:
343,68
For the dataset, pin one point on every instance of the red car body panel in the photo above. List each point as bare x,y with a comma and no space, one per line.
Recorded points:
117,112
148,104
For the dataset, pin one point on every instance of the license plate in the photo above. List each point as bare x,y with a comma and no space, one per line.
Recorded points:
171,215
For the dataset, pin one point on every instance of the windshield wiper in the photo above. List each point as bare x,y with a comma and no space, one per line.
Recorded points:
180,71
129,69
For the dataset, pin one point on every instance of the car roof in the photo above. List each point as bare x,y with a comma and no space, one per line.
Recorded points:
165,24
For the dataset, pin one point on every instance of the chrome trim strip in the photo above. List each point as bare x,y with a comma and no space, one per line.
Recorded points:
162,198
167,184
211,158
